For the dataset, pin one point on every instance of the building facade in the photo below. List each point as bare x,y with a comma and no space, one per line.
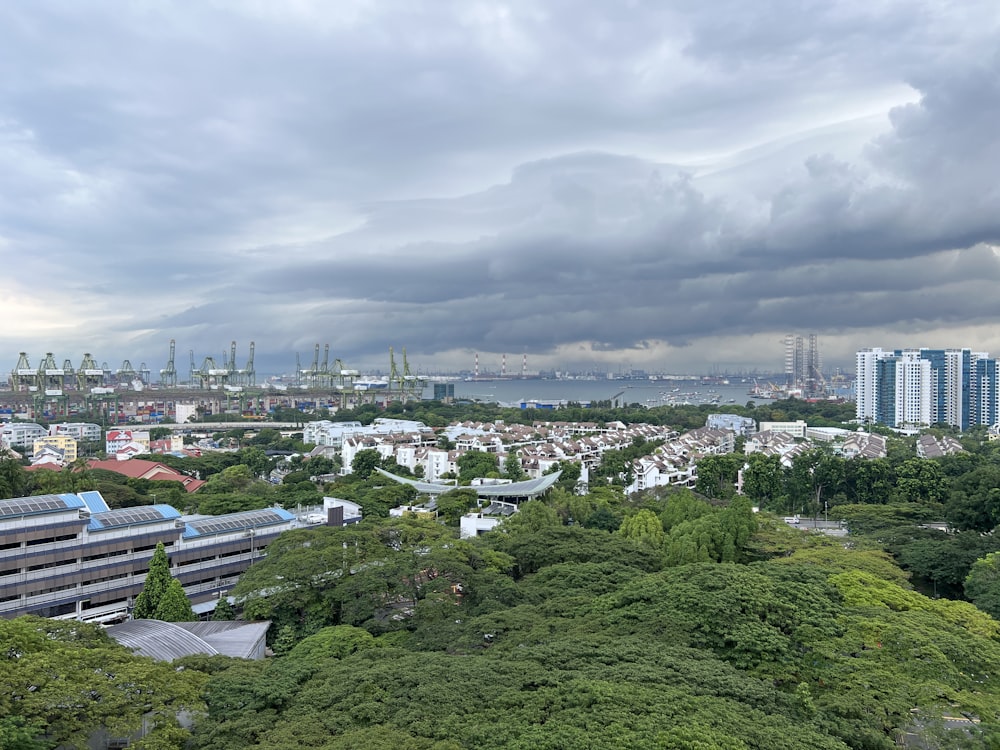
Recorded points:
21,434
70,556
65,444
77,430
921,387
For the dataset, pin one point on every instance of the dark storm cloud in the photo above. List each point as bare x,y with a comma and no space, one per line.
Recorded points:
542,177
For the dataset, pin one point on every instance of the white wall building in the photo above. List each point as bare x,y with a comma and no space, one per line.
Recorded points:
474,524
796,429
76,430
913,389
184,413
21,434
865,390
134,442
325,432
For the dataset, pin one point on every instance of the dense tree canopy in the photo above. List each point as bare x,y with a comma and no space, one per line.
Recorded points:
60,682
588,639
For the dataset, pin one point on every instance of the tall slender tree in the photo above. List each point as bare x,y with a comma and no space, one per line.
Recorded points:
174,605
155,587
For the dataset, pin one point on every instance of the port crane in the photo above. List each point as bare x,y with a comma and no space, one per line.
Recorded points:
168,375
89,374
247,376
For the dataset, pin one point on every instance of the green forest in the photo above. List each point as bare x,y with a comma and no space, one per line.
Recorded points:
396,634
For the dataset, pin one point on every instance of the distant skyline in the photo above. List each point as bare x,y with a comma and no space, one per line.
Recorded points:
669,187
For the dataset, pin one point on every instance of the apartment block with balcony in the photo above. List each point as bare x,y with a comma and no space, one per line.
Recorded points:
922,387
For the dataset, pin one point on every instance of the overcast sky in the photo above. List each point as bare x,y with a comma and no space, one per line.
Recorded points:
663,185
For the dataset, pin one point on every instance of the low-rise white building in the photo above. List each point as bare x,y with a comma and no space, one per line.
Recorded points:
127,442
77,430
474,524
675,462
64,444
21,434
325,432
796,429
863,445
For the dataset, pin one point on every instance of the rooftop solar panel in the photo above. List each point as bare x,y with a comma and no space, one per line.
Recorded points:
235,521
20,506
131,516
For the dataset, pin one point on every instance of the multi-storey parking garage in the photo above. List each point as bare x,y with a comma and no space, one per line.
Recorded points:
70,556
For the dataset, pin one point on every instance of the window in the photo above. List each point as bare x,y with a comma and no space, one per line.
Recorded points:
89,605
115,577
51,589
49,540
61,609
105,555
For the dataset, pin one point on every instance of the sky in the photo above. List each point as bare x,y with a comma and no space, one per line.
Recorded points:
669,186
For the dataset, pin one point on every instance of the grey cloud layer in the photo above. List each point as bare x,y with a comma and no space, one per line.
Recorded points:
470,176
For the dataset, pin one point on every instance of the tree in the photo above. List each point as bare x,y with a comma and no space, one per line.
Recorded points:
645,528
454,504
870,480
474,464
512,466
319,465
13,477
683,505
155,586
615,466
238,478
570,476
717,475
919,480
365,462
256,460
334,642
174,605
224,610
762,481
533,515
974,500
60,682
982,586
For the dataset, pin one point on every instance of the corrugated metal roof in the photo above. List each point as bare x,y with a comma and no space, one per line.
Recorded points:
167,641
230,638
164,641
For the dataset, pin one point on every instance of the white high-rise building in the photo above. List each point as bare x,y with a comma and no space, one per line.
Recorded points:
913,389
957,387
866,394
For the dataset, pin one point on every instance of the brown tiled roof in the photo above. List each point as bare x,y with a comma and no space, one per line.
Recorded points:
142,469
